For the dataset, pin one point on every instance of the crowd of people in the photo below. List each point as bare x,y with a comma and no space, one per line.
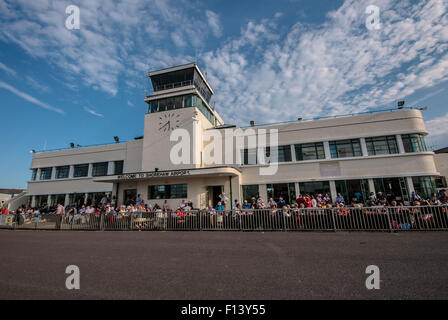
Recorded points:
108,205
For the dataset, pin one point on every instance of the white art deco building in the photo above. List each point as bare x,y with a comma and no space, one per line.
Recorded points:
372,152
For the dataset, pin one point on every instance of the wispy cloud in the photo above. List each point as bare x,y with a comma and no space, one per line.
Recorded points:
337,67
29,98
214,23
110,39
438,126
93,112
37,84
427,96
273,71
130,104
7,69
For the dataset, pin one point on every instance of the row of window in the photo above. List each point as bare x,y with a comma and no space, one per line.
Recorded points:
73,199
79,171
170,191
340,149
179,102
393,188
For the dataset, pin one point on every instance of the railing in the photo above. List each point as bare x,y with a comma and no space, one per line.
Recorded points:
389,219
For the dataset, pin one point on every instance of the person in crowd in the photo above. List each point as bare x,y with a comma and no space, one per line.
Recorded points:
219,207
300,200
165,206
224,200
60,209
415,197
138,200
281,203
340,199
103,200
313,202
434,200
381,199
272,204
246,205
372,199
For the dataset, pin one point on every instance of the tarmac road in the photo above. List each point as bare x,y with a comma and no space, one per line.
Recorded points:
222,265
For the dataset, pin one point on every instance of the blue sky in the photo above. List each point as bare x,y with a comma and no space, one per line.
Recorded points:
267,61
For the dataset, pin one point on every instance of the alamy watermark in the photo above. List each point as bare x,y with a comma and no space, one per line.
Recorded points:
373,19
221,146
73,21
73,280
373,280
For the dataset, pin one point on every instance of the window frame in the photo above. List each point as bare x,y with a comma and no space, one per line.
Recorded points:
334,148
57,176
100,165
168,193
416,142
391,144
299,153
77,166
48,171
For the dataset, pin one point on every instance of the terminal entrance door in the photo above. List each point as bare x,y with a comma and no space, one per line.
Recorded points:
129,195
213,193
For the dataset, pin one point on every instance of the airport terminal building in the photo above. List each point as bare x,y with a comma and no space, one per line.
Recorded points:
372,152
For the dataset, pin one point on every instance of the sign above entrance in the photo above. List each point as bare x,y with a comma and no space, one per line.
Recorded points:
155,174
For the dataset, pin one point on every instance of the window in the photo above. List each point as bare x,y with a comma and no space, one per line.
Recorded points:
424,186
100,169
310,151
118,167
180,102
315,188
353,189
250,191
250,156
345,148
381,145
287,191
41,200
33,174
414,143
81,170
45,173
172,191
283,155
62,172
440,182
57,199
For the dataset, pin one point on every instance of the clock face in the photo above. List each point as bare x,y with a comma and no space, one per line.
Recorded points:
168,122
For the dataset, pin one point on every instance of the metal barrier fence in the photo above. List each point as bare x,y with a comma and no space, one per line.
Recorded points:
426,218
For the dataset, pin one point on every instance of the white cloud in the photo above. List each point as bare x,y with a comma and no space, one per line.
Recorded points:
29,98
335,68
112,33
130,103
37,84
93,112
214,23
277,73
438,126
7,69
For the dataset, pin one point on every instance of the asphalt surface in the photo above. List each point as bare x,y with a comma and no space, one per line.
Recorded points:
222,265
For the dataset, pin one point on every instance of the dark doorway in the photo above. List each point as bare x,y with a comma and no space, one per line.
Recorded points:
129,195
213,193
